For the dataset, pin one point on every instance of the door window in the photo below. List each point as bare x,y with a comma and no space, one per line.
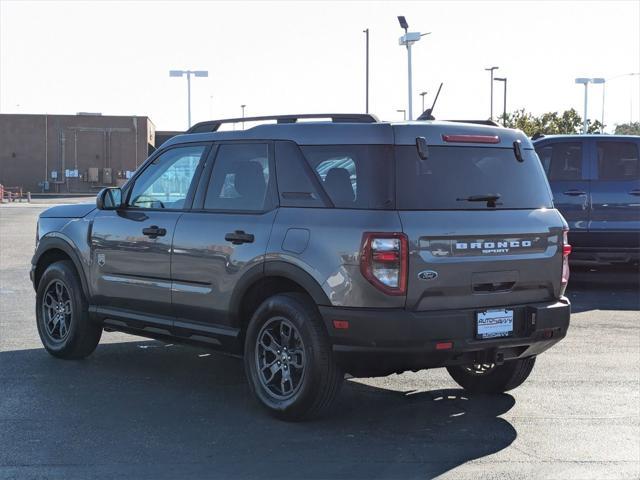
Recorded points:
617,161
240,178
165,183
561,160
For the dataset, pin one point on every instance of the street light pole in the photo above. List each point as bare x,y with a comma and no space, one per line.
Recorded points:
366,109
408,39
491,69
422,94
188,73
504,101
189,99
586,82
242,106
404,113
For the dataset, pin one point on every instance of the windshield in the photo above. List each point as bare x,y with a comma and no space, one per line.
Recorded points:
465,178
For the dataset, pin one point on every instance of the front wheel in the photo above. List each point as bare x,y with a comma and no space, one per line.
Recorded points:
62,314
288,359
491,378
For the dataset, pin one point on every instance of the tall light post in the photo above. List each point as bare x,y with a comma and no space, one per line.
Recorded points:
630,96
188,73
422,94
404,113
408,39
242,107
586,82
491,69
504,101
366,108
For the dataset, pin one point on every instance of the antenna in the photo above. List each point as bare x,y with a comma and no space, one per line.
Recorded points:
427,114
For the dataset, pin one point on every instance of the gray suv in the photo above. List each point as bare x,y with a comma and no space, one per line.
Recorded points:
319,248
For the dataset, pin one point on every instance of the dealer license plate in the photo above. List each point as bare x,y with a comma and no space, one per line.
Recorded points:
494,324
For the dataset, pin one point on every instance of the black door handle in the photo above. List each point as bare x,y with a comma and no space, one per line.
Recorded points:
154,231
239,237
574,193
635,192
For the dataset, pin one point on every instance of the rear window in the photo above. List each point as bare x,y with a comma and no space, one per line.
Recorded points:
458,178
354,176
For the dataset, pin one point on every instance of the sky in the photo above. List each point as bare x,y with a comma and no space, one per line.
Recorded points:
285,57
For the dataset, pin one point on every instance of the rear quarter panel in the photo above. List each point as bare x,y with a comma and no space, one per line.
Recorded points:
331,254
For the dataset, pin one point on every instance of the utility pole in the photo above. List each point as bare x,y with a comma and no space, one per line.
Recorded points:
491,69
366,109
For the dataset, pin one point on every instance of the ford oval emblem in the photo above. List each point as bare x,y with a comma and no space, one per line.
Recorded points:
428,275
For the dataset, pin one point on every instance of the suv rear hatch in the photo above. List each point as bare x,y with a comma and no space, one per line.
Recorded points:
481,227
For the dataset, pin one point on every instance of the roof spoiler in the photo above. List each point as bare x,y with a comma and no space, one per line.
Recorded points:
477,122
214,125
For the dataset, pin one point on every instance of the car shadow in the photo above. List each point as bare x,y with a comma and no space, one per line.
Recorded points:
604,288
153,410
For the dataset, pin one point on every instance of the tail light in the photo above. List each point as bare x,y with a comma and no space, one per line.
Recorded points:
566,250
383,261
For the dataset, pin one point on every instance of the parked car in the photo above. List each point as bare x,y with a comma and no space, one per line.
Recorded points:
595,181
319,248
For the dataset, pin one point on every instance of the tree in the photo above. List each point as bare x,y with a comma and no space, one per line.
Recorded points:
550,123
632,128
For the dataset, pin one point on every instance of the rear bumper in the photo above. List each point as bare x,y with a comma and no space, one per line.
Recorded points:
604,255
383,341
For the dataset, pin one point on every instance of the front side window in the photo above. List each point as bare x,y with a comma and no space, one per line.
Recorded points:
165,183
240,178
617,161
561,160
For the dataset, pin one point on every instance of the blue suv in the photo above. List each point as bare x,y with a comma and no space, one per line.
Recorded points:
595,181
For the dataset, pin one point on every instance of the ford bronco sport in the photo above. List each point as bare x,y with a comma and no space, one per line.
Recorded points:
319,248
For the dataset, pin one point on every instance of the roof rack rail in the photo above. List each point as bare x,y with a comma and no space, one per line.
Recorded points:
214,125
478,122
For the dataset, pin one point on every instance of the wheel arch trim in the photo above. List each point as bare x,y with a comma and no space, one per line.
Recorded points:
59,241
275,268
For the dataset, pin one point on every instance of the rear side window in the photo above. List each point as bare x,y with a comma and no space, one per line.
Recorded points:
354,176
617,161
561,160
462,178
240,178
296,185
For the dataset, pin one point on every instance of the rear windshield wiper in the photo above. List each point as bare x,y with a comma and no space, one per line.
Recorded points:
490,198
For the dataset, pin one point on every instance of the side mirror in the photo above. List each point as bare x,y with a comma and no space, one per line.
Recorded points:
109,199
423,148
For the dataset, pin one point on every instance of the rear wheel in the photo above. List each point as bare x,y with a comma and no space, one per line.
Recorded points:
491,378
288,358
62,314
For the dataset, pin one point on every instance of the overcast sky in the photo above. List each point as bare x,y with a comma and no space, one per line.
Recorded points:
292,57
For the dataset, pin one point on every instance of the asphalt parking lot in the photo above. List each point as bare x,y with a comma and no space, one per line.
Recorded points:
144,409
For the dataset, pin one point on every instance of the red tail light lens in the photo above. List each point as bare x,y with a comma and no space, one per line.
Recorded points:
566,250
383,261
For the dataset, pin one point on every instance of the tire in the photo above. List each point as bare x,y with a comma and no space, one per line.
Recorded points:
488,378
314,379
71,335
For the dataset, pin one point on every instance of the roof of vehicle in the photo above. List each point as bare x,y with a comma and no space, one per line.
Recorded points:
364,132
597,136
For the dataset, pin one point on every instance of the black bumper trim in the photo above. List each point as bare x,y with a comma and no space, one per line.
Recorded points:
400,340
